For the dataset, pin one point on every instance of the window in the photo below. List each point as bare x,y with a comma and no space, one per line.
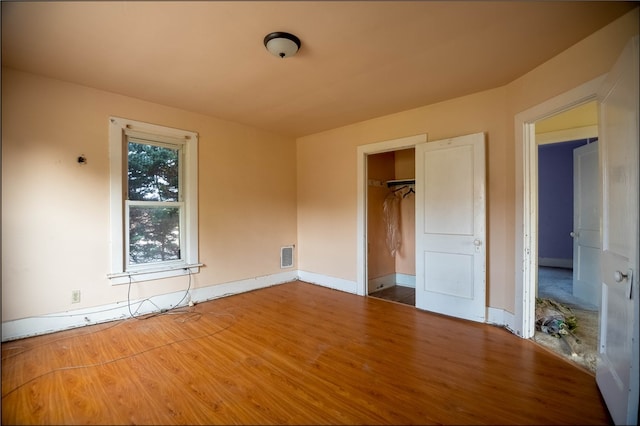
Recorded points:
153,201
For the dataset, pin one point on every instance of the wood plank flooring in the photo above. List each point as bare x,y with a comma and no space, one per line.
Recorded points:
295,353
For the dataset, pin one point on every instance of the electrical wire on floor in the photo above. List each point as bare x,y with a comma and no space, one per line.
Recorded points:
133,355
116,323
160,310
192,315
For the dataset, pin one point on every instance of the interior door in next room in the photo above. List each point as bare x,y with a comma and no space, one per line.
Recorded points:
586,224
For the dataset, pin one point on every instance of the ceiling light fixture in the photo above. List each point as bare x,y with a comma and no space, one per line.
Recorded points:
282,44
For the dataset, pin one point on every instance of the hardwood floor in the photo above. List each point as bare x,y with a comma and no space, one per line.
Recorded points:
292,354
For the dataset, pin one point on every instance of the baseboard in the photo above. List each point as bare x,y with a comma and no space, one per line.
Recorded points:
327,281
406,280
555,262
33,326
501,318
380,283
390,280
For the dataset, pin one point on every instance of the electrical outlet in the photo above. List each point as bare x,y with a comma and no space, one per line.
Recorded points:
75,296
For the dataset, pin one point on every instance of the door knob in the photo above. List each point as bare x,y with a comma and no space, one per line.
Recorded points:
573,234
477,242
619,276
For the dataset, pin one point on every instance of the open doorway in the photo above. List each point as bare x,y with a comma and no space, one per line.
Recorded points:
567,307
391,226
364,152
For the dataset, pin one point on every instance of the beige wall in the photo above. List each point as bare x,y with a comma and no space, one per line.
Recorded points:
481,112
327,207
405,162
55,213
383,167
254,185
380,167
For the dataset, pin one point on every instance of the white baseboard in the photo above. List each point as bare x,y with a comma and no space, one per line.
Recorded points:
501,318
390,280
33,326
327,281
379,283
406,280
555,263
229,289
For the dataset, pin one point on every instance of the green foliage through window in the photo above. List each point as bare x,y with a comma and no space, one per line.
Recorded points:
154,234
153,173
153,176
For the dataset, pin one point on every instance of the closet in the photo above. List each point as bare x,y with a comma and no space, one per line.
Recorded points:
391,225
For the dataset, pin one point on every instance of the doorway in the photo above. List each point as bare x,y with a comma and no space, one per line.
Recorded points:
526,244
391,226
567,261
535,124
363,152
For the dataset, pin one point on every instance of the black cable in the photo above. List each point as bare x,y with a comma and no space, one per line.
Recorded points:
99,364
27,349
161,311
186,292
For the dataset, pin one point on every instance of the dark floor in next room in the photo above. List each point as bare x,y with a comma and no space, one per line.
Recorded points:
397,293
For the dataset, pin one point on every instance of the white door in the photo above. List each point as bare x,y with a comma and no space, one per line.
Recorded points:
617,372
586,224
450,227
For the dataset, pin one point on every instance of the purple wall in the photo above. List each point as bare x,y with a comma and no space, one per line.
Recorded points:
555,199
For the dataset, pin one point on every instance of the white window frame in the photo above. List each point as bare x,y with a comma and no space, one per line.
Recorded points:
120,130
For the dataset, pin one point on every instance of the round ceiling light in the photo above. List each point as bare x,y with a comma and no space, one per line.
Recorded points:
282,44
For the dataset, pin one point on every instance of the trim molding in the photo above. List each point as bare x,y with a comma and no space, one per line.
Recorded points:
44,324
502,318
362,181
375,284
566,135
526,197
390,280
555,262
34,326
406,280
327,281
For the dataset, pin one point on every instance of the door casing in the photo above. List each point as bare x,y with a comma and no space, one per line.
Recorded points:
362,181
526,162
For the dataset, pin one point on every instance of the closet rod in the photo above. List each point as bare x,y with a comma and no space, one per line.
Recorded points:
391,183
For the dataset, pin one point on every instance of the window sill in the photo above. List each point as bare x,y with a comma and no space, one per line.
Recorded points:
154,273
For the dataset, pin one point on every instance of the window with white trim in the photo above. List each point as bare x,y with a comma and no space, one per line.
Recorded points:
154,211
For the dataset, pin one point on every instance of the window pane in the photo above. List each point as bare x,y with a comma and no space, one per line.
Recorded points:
152,173
154,234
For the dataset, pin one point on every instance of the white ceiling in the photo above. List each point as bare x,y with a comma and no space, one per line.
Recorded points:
358,60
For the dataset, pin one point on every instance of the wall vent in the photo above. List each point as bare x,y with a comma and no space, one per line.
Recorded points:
286,257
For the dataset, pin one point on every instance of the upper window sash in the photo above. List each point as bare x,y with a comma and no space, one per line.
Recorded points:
179,151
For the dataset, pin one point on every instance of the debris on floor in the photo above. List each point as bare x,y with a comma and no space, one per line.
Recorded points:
557,320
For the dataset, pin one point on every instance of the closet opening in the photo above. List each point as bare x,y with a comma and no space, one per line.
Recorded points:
390,218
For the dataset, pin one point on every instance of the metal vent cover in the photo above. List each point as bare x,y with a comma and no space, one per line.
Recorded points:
286,257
